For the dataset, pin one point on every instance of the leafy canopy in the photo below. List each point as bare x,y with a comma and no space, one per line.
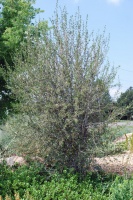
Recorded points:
16,15
15,18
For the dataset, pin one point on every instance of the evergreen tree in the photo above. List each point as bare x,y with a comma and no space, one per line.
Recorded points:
126,100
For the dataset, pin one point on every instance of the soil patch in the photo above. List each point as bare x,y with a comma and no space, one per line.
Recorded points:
121,163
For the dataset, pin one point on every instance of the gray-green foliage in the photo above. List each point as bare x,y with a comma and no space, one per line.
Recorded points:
60,81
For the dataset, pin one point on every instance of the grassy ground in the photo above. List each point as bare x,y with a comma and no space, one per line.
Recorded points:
122,127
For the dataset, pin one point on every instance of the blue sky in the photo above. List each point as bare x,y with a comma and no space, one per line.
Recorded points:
117,16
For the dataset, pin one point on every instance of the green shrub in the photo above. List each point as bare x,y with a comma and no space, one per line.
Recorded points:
121,189
34,182
27,182
19,179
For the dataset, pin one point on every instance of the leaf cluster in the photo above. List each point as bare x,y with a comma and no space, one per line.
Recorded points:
16,16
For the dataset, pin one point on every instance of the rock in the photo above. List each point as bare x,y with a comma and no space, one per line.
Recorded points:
13,160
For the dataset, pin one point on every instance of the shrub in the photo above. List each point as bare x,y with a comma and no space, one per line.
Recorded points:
121,189
62,81
20,179
33,183
27,183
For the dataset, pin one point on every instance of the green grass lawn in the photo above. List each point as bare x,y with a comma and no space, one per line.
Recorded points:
123,127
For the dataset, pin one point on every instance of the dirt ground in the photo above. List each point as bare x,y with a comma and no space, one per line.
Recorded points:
120,163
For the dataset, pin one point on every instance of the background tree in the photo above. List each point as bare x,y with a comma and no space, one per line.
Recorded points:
126,100
15,18
61,83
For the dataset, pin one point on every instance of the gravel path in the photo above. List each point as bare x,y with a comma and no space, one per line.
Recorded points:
122,123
